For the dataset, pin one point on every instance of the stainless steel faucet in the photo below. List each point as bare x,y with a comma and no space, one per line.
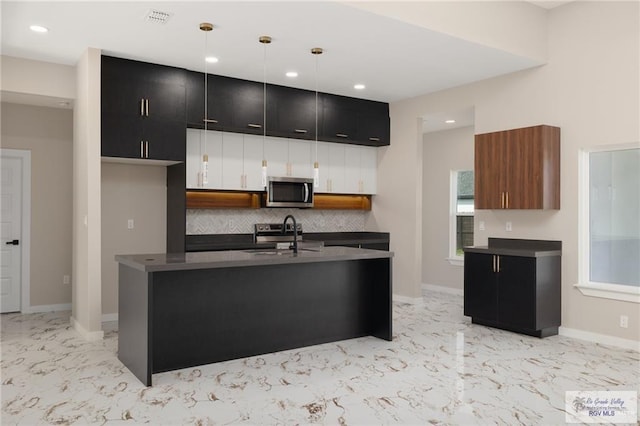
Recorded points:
295,231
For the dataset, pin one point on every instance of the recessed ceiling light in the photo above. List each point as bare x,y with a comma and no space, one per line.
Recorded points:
450,121
359,86
211,59
291,74
38,29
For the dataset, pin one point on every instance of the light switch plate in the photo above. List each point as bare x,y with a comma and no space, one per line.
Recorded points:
481,225
509,227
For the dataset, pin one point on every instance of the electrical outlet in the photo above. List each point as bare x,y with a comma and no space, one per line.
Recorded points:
130,224
624,321
231,224
481,225
66,280
509,227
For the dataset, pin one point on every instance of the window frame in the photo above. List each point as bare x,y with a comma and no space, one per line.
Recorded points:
585,285
454,258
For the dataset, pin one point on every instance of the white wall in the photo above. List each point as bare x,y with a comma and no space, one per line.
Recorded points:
589,88
443,152
135,192
42,79
48,134
87,305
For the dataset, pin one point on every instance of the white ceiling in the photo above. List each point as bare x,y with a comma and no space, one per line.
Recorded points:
395,60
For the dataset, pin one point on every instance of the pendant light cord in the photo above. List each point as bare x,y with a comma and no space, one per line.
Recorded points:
264,98
316,109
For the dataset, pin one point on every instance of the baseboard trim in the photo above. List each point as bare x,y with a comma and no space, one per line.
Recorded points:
110,317
600,338
47,308
91,336
409,300
443,289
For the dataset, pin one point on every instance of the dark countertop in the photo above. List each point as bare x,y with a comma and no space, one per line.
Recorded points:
213,242
518,247
242,258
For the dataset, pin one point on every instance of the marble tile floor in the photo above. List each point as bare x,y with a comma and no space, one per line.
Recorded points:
439,369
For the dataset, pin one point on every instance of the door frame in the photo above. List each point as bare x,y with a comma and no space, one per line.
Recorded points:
25,232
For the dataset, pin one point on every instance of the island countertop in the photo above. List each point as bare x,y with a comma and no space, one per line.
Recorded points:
157,262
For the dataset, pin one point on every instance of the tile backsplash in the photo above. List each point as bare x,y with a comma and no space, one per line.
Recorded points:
202,221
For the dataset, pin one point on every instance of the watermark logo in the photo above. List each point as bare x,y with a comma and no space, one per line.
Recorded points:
601,407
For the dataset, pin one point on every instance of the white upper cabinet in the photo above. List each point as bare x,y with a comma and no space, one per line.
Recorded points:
198,145
235,162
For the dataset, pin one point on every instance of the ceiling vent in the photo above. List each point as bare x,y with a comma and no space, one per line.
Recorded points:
157,16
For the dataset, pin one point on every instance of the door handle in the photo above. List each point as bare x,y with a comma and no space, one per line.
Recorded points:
13,243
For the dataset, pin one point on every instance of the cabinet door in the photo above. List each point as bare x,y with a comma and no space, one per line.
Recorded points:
233,163
165,140
277,154
338,118
369,169
336,168
352,166
294,113
516,291
197,146
121,137
195,99
480,287
490,150
248,105
252,162
300,162
373,123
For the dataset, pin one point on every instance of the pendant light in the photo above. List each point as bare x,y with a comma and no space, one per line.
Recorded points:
264,40
316,51
204,169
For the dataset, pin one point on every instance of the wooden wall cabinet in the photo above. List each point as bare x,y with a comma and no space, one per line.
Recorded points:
518,169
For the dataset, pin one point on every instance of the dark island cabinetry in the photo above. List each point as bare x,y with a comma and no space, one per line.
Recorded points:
514,285
143,110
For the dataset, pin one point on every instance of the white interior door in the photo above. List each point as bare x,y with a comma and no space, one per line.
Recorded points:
10,230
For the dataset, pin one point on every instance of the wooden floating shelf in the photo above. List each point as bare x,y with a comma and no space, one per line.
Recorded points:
206,199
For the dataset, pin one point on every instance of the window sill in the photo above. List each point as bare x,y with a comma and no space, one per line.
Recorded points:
624,293
456,261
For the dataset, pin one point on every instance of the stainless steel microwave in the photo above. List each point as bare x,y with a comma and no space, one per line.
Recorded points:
289,192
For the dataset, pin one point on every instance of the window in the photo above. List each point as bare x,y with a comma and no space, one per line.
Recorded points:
610,223
461,222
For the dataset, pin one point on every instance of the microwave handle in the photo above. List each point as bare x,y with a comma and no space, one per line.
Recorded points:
306,192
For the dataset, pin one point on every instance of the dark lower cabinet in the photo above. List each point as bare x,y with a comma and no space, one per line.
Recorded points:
516,293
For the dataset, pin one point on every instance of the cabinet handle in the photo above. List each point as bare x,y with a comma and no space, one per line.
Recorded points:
342,135
507,201
141,149
146,149
209,120
146,106
498,267
142,107
300,130
502,200
372,139
254,126
494,263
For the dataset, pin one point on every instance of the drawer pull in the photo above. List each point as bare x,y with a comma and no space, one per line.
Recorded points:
255,126
373,139
300,130
210,120
342,135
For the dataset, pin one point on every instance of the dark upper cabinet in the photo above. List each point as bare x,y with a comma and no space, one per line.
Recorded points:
372,125
238,106
339,118
143,110
291,113
517,293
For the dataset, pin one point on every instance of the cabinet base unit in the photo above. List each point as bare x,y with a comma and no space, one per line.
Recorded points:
514,285
183,310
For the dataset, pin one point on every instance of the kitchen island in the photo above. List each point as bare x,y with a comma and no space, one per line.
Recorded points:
182,310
